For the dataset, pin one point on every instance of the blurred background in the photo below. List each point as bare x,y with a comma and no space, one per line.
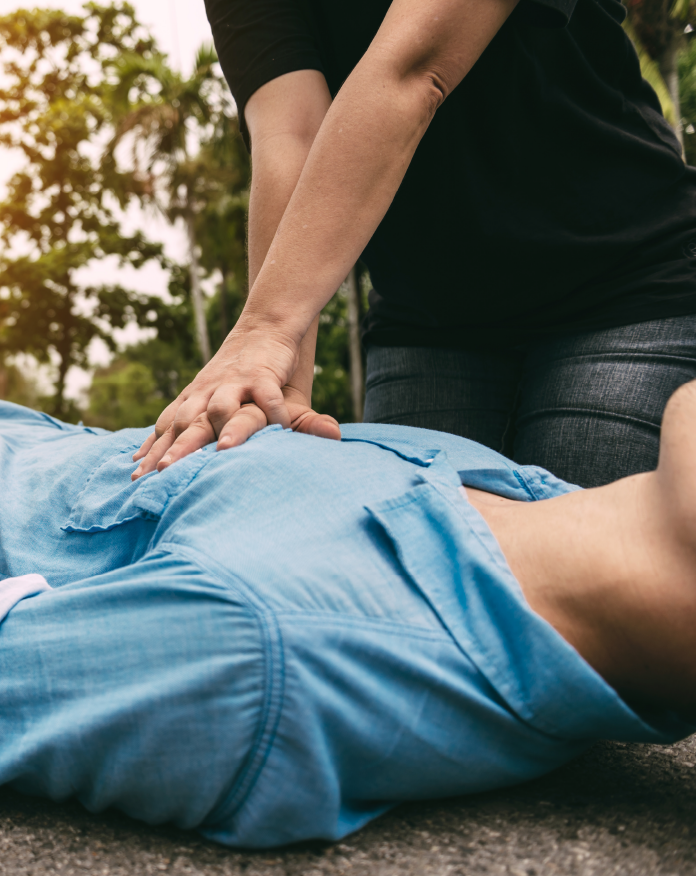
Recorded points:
123,200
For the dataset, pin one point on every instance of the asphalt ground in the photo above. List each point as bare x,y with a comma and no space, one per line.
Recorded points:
619,809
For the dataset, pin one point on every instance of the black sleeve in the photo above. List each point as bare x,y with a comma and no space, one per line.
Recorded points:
259,40
545,13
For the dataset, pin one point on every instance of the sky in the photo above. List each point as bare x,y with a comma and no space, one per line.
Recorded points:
180,27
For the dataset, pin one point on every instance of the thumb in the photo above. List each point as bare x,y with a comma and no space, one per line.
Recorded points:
321,425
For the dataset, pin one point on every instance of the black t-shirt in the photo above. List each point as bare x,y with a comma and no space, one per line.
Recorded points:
547,195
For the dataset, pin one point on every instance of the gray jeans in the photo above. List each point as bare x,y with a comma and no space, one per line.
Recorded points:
587,407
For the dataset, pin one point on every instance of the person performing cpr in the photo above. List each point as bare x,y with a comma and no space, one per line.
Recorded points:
522,205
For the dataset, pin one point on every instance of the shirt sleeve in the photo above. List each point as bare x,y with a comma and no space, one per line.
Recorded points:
257,42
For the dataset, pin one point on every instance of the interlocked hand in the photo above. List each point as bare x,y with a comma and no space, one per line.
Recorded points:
238,392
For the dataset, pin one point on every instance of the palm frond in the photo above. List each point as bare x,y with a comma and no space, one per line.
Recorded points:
681,9
651,73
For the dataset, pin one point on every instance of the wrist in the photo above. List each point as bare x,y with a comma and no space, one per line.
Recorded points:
269,325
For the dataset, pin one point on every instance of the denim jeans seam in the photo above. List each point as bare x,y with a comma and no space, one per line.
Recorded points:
232,801
587,412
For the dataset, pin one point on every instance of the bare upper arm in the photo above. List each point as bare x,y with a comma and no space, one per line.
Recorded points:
437,40
292,105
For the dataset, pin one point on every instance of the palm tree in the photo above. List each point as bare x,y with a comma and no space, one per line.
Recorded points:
169,119
222,188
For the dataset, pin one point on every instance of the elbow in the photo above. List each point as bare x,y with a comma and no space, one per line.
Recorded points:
435,89
429,91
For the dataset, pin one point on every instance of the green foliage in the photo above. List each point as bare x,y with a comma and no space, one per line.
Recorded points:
136,387
17,387
72,83
208,190
651,73
123,395
331,391
57,216
222,195
687,96
146,377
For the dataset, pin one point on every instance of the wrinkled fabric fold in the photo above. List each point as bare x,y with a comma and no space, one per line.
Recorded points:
277,642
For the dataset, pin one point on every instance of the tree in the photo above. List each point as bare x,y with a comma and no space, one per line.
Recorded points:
353,310
223,195
142,380
58,215
687,96
657,27
171,115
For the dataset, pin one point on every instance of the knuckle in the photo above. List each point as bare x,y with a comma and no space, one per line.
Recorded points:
218,410
162,425
201,423
166,436
251,412
181,423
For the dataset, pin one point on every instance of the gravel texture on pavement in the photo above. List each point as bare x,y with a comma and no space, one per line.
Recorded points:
619,809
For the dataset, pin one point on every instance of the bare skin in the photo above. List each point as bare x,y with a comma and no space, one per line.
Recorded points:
283,118
613,569
343,187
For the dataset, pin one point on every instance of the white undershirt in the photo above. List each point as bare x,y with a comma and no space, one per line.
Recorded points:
14,590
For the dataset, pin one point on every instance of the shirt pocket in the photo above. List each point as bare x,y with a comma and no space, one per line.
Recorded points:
451,556
109,497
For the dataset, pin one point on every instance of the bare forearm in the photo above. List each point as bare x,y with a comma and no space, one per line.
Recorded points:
272,186
351,175
279,155
357,162
354,167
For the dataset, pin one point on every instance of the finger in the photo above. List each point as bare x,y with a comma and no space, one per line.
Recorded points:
321,425
145,447
223,405
269,397
241,426
189,411
166,418
199,433
157,451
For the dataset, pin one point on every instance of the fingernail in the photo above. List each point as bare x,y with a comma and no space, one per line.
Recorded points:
136,473
224,444
165,461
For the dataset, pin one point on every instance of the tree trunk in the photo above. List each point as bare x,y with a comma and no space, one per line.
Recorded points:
59,397
356,367
197,293
226,277
667,63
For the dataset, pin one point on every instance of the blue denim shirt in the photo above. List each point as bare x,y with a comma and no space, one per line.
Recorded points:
279,641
